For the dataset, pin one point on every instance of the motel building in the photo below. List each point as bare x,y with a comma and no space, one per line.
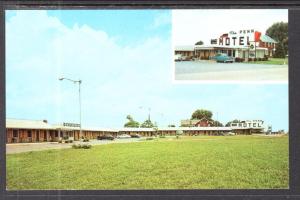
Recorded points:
243,44
28,131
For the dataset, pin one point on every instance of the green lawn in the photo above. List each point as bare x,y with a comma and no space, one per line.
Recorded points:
187,163
272,61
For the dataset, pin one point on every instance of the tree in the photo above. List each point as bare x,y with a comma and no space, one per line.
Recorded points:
217,123
131,122
199,43
171,125
279,32
233,121
200,113
147,124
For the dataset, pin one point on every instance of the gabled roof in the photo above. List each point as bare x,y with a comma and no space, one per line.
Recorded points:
28,124
266,38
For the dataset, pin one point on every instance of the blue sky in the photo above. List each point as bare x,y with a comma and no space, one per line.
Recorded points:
124,59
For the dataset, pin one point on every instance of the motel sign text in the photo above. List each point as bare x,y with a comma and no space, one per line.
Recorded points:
243,38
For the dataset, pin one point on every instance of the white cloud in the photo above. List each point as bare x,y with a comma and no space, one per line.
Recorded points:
47,49
162,19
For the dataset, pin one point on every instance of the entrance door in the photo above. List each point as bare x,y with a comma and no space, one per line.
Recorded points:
229,52
37,136
15,136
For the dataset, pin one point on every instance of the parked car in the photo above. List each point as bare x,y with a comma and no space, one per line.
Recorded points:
231,134
180,57
223,57
124,136
106,137
135,136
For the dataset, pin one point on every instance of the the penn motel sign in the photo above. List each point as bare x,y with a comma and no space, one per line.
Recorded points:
241,38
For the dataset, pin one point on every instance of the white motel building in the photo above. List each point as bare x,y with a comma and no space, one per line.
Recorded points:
243,44
24,131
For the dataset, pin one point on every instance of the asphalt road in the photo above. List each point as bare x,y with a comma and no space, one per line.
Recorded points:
212,71
26,147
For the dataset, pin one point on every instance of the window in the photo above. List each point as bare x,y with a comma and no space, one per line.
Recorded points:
15,133
56,133
29,133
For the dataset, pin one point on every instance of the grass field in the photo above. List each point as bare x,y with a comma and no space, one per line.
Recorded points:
202,162
272,61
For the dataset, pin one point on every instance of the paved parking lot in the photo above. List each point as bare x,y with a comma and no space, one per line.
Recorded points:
25,147
212,71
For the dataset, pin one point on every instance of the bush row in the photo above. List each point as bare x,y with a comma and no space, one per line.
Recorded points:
258,59
65,141
81,146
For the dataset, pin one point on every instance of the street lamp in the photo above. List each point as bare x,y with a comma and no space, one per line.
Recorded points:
79,84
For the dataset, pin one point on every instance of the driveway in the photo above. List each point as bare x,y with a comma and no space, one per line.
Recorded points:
212,71
26,147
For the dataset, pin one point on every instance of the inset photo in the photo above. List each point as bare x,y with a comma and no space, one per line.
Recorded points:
230,45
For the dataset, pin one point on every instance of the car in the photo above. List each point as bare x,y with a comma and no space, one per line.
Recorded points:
106,137
223,57
135,136
230,134
123,136
179,57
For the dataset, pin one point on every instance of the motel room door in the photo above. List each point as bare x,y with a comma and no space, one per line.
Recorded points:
229,52
37,136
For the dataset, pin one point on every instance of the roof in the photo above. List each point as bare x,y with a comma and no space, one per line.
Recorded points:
169,128
100,129
194,121
28,124
216,46
136,129
185,48
209,128
266,38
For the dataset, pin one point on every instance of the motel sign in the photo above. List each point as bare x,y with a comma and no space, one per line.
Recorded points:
241,38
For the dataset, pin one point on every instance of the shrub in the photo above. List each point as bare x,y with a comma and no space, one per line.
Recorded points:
86,140
162,136
242,59
86,146
250,59
81,146
59,141
66,141
76,146
70,141
255,59
237,59
259,59
149,138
